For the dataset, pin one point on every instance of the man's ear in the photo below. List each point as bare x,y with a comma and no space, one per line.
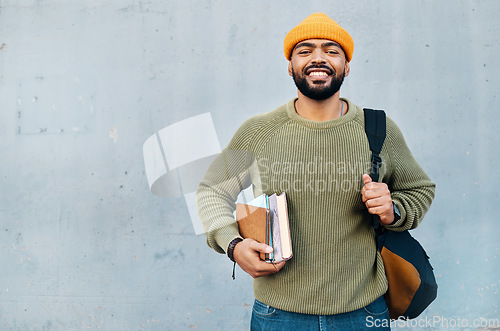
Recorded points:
347,69
290,69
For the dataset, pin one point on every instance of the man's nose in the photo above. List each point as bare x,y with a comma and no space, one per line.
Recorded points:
318,56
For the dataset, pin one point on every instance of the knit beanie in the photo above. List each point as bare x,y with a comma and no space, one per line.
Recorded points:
318,26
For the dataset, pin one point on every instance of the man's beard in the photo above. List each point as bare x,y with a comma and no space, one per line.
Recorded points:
318,91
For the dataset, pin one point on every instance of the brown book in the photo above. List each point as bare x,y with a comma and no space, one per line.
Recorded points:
253,223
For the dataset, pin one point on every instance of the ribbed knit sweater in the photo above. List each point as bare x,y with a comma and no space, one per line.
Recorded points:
335,267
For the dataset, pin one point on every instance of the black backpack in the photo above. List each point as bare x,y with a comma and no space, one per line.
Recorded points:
412,285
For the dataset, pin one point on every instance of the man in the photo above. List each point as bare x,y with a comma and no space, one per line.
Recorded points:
315,149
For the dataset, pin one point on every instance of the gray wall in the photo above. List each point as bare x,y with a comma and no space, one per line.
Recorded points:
84,243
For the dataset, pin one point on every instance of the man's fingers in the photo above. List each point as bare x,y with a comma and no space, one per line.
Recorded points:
369,192
267,269
377,201
376,197
279,265
375,210
246,254
375,190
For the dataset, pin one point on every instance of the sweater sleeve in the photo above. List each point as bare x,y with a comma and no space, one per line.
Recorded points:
412,191
227,176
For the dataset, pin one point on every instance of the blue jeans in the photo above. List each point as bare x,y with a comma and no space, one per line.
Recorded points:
374,316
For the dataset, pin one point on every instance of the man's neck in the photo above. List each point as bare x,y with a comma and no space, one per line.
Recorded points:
320,110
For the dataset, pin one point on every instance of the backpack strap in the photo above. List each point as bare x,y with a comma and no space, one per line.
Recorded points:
375,128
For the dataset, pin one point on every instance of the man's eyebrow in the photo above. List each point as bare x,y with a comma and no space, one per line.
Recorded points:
329,44
305,44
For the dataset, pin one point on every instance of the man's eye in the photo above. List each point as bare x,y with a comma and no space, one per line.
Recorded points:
305,51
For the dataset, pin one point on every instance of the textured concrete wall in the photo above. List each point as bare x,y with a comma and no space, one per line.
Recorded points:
84,243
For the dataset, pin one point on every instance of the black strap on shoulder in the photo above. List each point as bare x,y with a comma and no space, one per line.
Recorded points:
375,131
375,128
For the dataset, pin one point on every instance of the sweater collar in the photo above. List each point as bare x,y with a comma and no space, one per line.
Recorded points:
351,114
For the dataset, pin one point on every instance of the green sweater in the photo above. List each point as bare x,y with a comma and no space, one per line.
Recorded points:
335,266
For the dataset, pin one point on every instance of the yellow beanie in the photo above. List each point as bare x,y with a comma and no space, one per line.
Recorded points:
318,26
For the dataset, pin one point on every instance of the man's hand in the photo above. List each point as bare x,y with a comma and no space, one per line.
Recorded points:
246,254
377,199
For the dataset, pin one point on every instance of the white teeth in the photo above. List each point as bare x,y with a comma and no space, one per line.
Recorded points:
318,73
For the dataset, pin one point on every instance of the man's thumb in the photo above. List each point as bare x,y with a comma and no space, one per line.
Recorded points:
366,179
263,248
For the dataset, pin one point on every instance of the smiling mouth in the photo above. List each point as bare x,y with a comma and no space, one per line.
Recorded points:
318,71
318,74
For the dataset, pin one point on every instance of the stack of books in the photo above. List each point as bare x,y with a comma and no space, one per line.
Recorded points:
265,219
